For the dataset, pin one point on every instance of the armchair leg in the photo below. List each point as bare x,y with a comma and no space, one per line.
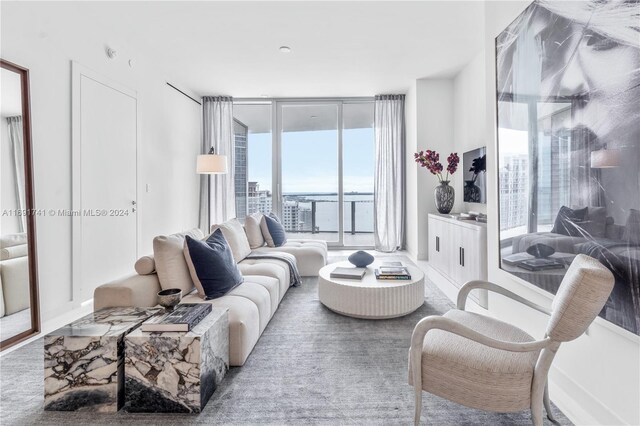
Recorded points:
418,411
547,404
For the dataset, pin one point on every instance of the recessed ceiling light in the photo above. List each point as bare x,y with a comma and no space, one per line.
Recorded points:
314,116
285,49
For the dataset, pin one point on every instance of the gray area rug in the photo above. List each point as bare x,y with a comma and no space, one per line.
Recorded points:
311,366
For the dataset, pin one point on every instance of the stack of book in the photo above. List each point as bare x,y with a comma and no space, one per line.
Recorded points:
183,318
392,271
348,273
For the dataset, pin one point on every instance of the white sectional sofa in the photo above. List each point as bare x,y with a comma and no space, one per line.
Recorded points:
14,274
251,305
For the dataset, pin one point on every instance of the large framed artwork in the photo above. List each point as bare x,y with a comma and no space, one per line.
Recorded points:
568,111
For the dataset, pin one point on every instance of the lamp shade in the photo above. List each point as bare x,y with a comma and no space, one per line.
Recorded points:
211,164
605,159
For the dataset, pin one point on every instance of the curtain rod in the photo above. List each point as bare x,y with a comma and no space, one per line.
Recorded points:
174,87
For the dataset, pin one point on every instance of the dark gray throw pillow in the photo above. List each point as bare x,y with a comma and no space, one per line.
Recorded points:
273,231
570,222
211,265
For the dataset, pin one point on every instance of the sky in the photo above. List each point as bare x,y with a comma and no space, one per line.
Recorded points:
310,160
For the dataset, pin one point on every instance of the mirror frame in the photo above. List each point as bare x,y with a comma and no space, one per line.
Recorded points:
29,205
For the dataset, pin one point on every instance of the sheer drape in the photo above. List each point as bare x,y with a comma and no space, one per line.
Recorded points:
17,147
389,191
218,133
586,189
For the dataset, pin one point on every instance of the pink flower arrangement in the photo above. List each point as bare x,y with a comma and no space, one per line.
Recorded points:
431,161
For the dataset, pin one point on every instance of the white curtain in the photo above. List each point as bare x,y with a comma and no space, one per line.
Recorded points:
17,147
389,191
218,133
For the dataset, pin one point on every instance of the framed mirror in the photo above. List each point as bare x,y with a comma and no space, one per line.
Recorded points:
569,147
19,308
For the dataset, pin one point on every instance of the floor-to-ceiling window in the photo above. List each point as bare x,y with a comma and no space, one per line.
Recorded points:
311,162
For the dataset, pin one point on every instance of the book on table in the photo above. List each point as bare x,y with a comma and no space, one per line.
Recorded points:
392,272
348,273
182,318
541,264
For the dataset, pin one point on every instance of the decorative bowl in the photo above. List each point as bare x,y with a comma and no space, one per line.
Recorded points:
361,259
540,251
169,298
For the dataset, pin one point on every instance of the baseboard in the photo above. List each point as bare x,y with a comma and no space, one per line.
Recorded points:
577,403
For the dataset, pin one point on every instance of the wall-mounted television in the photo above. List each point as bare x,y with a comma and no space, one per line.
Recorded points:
474,165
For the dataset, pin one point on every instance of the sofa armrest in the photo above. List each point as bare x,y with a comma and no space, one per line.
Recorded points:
134,290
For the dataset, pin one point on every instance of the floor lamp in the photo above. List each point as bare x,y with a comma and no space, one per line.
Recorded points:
211,164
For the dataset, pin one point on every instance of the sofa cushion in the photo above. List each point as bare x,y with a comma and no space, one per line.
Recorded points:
146,265
133,290
15,284
10,240
269,268
211,265
569,222
171,266
311,255
244,324
631,232
258,295
272,285
253,231
273,231
12,252
560,243
236,238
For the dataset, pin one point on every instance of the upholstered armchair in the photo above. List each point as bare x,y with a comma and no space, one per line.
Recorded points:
484,363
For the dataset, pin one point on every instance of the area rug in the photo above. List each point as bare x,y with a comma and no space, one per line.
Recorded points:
310,367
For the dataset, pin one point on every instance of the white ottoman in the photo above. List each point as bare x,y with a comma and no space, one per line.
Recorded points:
370,298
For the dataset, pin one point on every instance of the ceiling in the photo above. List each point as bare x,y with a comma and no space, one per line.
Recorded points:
339,48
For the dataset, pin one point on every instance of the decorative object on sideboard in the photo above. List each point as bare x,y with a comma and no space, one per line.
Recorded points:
444,193
475,166
540,251
361,259
169,298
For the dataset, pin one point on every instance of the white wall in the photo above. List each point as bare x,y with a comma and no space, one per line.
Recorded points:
469,121
45,38
596,378
433,130
411,178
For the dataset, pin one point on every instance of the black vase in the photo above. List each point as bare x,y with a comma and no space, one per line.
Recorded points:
445,195
471,192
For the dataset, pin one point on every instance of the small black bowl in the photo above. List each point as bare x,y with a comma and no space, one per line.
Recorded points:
540,251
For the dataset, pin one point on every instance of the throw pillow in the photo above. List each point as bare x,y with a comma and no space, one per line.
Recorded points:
632,228
236,238
273,231
252,229
595,223
211,265
145,265
569,222
170,264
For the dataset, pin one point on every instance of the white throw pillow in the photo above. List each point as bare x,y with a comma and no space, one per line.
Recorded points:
146,265
253,231
171,266
236,238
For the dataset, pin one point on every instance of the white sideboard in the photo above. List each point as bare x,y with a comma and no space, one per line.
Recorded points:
457,254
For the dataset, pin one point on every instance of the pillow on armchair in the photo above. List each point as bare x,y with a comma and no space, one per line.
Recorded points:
570,222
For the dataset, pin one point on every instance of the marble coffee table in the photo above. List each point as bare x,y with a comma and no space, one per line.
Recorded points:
83,361
176,372
370,298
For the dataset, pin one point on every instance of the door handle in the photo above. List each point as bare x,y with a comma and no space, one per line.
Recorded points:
462,256
437,243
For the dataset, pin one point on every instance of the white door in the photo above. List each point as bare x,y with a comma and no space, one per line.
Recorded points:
105,146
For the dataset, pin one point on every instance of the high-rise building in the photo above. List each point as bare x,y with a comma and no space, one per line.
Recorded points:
240,132
514,190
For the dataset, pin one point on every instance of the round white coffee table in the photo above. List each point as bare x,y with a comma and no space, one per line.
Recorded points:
370,298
